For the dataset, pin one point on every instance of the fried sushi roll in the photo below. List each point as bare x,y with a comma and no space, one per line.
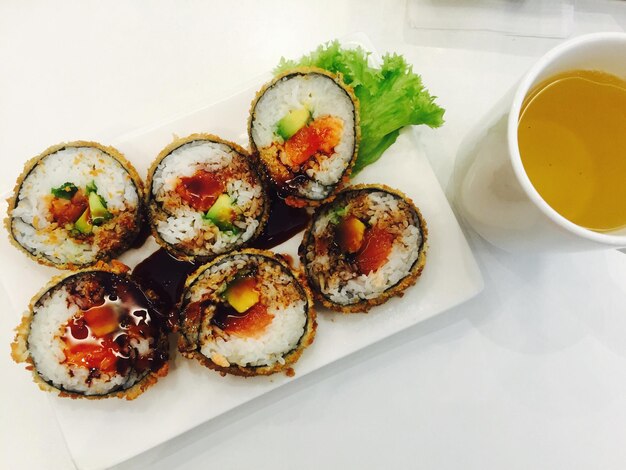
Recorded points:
205,197
75,204
304,125
93,334
365,247
246,313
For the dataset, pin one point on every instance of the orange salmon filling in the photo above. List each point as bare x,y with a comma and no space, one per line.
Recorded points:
201,190
242,314
320,137
377,244
90,337
252,323
68,211
88,342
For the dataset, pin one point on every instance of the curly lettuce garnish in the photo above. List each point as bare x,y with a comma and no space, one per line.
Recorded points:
390,97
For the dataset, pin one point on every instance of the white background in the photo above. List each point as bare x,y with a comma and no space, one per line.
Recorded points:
530,374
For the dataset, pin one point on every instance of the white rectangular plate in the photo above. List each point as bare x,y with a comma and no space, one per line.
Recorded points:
102,433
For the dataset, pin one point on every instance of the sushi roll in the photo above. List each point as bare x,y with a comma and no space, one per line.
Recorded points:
75,204
304,125
93,334
205,197
246,313
366,246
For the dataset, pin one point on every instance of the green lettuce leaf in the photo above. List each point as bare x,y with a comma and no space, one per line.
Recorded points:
390,97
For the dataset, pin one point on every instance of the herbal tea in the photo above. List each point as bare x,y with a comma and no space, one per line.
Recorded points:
572,140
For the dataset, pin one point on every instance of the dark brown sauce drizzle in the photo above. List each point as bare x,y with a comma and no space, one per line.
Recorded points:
146,317
164,275
142,236
292,185
224,312
139,315
284,222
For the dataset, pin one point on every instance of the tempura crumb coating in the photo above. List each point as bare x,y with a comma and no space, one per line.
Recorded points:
271,164
190,349
397,289
21,354
131,227
155,212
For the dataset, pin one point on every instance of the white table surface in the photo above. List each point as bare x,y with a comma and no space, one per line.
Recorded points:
529,374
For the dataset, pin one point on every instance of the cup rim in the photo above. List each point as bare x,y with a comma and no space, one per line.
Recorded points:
514,154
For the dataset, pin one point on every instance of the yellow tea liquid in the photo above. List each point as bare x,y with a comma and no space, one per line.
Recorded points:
572,140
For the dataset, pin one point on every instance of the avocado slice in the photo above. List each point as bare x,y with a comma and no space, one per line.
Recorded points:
222,213
91,187
242,294
350,234
83,224
98,209
292,122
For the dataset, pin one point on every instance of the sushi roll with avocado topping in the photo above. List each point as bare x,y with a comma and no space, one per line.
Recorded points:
304,125
93,334
246,313
365,247
205,197
75,204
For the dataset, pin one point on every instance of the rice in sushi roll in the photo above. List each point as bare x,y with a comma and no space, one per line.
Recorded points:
93,334
366,246
304,125
246,313
205,197
75,204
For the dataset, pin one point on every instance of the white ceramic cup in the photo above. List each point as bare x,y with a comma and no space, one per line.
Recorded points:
493,191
